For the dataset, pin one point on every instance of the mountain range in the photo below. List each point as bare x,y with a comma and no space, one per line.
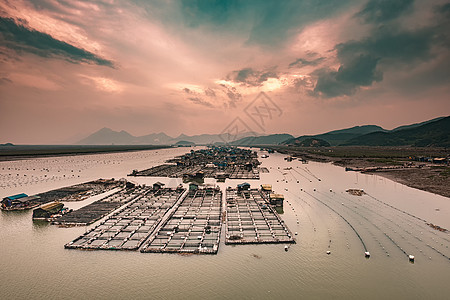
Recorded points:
107,136
435,132
337,137
430,134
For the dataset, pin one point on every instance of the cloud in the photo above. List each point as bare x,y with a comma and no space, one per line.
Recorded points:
300,62
233,95
198,96
34,81
265,23
198,100
379,11
361,71
361,62
103,84
251,77
20,38
5,80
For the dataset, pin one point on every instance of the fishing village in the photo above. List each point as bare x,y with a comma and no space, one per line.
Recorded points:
186,219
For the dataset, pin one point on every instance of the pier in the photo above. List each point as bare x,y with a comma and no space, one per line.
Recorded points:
92,212
77,192
214,162
193,227
250,219
129,227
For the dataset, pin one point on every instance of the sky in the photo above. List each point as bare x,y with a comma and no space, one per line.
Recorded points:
69,68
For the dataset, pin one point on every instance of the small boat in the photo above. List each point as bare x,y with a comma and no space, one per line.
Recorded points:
286,248
367,254
411,258
328,252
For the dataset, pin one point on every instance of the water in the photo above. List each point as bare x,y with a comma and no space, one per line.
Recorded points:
35,265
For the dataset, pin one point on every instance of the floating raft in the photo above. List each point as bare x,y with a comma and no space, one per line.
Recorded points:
251,220
90,213
77,192
193,227
214,162
128,228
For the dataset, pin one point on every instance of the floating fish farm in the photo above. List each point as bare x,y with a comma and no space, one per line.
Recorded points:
129,227
193,227
213,162
250,219
96,210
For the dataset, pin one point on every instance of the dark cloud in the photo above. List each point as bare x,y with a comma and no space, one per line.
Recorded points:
444,10
200,101
5,80
300,62
19,38
210,93
403,46
268,23
251,77
379,11
361,71
210,11
233,95
362,60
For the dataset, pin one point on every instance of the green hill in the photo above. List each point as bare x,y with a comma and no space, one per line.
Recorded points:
337,137
432,134
272,139
311,142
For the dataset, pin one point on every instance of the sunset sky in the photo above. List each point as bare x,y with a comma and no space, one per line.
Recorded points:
69,68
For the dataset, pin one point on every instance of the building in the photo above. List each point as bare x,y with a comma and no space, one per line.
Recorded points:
193,186
19,202
158,185
276,199
266,188
47,211
243,186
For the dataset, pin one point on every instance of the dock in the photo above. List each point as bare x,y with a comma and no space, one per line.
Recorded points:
77,192
214,162
250,219
90,213
129,227
193,227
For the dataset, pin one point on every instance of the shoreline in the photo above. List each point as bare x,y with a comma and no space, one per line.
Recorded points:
21,152
429,177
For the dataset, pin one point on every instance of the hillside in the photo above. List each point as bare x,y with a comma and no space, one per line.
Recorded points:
272,139
416,124
337,137
107,136
311,142
184,143
432,134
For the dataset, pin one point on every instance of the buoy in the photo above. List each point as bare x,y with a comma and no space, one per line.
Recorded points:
328,252
286,248
411,258
367,254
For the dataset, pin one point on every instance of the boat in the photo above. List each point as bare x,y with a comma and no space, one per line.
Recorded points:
286,248
367,254
328,252
411,258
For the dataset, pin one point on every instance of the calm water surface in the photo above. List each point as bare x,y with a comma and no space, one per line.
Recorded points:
35,265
